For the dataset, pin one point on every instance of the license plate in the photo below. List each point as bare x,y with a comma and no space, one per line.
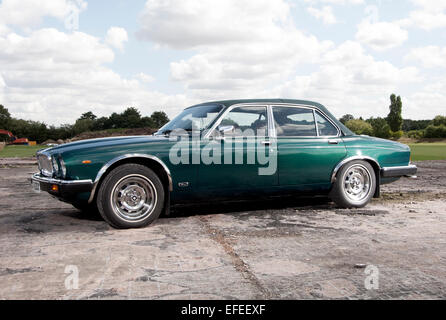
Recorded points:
36,186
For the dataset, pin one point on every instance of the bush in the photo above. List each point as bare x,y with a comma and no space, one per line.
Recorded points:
416,134
359,127
396,135
435,131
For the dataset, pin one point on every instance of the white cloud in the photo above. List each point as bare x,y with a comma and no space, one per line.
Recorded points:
428,101
429,57
53,76
26,13
350,81
116,37
381,35
146,78
428,15
326,14
223,49
337,2
240,47
184,24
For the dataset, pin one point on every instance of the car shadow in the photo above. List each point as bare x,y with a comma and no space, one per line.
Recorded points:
247,205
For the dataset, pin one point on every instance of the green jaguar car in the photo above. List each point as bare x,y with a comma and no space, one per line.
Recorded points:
222,150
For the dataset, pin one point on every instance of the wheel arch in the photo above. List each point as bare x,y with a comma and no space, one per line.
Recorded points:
149,161
373,162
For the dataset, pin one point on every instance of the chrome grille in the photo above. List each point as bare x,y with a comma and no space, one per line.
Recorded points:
45,165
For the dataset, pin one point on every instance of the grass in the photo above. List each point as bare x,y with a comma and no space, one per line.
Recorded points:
428,151
20,151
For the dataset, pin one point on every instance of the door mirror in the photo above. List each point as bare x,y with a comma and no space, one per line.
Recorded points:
225,129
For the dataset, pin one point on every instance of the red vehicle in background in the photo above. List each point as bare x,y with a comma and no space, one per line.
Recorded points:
13,139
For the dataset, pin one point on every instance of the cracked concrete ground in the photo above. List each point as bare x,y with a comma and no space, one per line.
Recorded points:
270,249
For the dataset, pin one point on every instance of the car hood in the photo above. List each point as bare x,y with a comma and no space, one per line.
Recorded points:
105,142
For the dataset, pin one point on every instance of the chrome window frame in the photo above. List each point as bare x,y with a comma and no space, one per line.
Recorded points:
272,133
324,116
220,118
314,109
293,106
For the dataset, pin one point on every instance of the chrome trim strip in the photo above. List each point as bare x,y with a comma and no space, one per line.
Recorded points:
347,160
39,178
128,156
316,124
271,126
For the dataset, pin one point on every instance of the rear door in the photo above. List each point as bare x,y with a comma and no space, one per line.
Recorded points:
309,146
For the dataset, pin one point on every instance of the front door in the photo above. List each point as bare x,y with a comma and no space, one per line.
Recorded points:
239,154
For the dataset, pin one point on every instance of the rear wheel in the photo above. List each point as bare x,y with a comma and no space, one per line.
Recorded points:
355,185
131,196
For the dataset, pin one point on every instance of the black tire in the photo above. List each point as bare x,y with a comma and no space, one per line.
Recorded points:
143,193
348,182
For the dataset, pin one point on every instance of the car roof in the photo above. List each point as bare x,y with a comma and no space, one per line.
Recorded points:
228,103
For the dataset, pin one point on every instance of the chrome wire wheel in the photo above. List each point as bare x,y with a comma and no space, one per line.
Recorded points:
357,183
133,198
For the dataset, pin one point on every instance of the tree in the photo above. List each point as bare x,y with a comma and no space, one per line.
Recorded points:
381,128
360,127
131,118
394,119
159,118
102,123
410,125
147,122
346,118
5,117
83,125
88,115
439,120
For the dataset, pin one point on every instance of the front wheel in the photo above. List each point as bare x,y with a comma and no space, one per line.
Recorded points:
131,196
355,185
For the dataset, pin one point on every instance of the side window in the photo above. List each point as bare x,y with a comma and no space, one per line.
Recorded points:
325,127
246,121
294,122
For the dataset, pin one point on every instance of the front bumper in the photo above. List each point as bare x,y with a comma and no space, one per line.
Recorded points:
396,172
65,188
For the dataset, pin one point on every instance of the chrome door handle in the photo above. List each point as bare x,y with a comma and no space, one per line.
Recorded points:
266,143
333,142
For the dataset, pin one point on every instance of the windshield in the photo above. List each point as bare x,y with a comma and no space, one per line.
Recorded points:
195,118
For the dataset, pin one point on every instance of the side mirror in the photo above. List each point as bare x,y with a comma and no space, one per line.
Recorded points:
225,129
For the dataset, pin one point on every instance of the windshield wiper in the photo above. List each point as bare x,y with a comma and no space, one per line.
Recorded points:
165,133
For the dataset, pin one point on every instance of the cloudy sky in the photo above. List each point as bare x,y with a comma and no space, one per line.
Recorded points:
60,58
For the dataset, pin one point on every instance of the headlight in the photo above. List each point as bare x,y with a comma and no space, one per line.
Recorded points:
55,164
45,164
63,167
